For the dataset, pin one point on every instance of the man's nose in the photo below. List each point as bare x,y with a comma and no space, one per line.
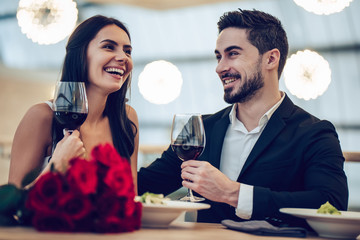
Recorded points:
222,66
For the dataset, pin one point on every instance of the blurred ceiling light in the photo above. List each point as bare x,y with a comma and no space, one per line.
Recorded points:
325,7
307,74
160,82
47,21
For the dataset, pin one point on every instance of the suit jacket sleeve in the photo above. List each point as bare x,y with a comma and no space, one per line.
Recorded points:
302,176
297,162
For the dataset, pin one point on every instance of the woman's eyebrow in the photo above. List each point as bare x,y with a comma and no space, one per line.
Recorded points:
109,41
115,43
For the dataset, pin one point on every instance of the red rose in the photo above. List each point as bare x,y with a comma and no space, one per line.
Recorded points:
108,204
46,191
75,206
136,217
129,207
53,222
119,179
82,175
96,195
106,154
112,224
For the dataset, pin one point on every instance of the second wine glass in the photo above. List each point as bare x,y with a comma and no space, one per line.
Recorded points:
70,105
188,142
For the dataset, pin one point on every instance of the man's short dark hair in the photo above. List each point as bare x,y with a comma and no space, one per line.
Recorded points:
264,31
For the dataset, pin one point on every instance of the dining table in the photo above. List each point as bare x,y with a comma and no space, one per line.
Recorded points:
175,231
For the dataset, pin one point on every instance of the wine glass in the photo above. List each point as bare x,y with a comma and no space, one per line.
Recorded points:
188,142
70,105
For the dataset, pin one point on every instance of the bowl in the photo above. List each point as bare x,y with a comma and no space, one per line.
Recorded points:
346,225
161,215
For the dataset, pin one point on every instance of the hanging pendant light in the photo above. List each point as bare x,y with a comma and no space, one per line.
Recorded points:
160,82
47,21
325,7
307,75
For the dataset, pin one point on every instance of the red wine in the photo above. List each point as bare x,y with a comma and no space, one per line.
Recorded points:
70,120
187,152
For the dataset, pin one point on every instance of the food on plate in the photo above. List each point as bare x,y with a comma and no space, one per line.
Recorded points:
327,208
152,198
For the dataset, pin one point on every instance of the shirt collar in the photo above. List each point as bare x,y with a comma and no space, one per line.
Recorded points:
264,119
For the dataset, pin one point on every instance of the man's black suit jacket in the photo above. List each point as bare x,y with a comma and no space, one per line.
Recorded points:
297,162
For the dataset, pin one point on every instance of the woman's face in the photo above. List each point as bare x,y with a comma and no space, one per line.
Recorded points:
109,59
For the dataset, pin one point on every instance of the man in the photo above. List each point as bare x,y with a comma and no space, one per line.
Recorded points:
262,153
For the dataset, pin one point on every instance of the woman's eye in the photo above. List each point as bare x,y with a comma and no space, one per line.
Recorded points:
128,51
108,46
218,57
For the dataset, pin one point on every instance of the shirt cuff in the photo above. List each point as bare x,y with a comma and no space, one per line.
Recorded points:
245,201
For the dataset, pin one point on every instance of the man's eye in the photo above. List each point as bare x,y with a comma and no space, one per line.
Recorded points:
128,51
218,57
233,53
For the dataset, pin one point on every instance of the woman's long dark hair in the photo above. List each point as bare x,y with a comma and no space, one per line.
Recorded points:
75,68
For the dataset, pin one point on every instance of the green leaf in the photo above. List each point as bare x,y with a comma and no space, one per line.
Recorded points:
30,177
11,197
7,220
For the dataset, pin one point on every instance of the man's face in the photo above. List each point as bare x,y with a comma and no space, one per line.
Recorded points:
239,65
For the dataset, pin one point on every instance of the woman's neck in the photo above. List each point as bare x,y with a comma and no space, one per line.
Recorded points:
96,104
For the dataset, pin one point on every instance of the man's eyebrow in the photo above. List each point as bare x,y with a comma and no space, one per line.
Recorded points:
228,49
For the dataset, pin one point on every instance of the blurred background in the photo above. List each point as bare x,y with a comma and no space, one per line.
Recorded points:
184,33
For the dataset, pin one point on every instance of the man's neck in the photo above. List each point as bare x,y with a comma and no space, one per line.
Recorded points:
249,113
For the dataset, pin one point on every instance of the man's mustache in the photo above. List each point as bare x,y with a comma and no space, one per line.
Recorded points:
231,75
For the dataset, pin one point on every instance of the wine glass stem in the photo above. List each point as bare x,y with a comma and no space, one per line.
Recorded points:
190,195
65,130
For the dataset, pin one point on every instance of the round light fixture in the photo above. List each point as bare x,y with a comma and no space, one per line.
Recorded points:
325,7
47,21
307,75
160,82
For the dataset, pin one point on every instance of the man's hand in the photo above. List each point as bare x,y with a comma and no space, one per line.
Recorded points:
208,181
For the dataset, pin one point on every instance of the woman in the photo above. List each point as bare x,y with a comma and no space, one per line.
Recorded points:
98,53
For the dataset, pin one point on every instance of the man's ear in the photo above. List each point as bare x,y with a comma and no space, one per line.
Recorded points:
272,58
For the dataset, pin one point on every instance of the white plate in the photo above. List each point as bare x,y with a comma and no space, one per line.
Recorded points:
346,225
160,216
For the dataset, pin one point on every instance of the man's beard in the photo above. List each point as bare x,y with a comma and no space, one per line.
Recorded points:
247,91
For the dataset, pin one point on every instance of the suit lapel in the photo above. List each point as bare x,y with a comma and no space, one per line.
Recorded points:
272,129
217,138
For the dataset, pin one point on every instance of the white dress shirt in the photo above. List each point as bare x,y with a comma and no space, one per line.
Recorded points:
238,143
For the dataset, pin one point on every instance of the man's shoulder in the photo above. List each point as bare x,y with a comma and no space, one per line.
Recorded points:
218,115
305,119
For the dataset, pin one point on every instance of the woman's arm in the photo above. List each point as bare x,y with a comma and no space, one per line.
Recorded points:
31,143
134,157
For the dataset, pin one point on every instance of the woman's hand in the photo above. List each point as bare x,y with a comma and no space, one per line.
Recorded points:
71,146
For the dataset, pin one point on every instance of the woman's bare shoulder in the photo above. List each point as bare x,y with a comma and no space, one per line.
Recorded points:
132,115
40,111
35,125
39,114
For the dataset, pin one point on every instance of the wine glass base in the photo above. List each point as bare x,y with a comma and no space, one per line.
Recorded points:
191,199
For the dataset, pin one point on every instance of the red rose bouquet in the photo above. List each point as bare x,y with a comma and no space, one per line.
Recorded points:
95,195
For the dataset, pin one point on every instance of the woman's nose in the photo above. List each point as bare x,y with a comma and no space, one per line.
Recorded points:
121,57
